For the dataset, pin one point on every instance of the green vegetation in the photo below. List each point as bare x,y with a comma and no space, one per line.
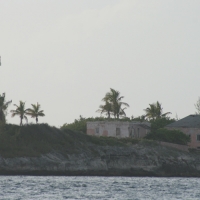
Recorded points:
36,139
160,123
81,123
21,111
77,125
172,136
3,108
32,140
35,112
113,104
155,111
106,108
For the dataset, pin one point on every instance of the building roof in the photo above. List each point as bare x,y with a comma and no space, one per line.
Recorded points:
191,121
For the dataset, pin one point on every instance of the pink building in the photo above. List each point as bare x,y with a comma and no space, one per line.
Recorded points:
118,129
189,125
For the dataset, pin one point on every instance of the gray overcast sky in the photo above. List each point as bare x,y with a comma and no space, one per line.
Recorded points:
66,54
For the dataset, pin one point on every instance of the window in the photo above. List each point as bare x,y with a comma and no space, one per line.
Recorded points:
97,130
198,137
118,131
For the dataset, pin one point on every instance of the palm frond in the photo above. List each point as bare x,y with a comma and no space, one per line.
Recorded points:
155,111
114,99
25,117
35,111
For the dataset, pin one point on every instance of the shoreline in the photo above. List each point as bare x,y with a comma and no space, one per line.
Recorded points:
86,175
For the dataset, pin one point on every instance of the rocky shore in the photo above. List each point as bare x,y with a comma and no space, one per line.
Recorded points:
140,159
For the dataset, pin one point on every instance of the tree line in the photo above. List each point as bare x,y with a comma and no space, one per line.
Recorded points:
20,110
114,106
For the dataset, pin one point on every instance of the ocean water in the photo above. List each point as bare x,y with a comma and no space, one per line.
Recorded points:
65,187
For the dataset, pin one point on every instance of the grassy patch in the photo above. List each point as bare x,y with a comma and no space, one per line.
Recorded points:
36,139
33,140
148,142
172,136
129,141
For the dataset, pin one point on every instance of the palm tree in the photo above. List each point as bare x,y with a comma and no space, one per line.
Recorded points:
21,111
107,109
155,111
35,112
3,107
122,112
114,98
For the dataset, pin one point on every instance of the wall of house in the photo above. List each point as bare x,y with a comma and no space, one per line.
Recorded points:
192,132
116,129
136,131
108,129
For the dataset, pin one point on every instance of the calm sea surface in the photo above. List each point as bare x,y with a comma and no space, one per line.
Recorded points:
63,187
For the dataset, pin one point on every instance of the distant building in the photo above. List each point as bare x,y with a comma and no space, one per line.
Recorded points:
189,125
118,129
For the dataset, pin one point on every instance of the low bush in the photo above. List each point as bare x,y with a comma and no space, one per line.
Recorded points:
80,124
37,139
172,136
33,140
160,123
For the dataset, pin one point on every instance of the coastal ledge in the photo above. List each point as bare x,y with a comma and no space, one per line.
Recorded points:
132,160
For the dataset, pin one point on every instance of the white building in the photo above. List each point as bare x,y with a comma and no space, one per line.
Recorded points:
118,129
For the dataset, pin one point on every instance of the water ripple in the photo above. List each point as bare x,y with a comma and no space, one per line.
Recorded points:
63,187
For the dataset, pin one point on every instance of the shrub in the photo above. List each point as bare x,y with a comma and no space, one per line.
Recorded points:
33,140
77,125
160,123
172,136
81,123
37,139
